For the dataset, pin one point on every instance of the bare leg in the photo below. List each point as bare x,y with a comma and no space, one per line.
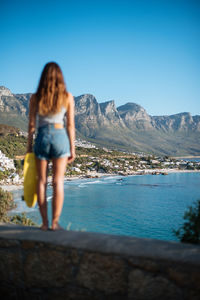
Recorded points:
42,169
59,168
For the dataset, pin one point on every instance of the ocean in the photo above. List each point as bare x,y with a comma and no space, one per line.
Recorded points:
147,206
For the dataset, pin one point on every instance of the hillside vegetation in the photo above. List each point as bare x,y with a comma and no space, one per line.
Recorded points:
11,142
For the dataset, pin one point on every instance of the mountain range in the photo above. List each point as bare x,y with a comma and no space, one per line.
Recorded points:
128,127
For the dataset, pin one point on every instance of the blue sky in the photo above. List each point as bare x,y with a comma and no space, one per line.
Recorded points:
147,52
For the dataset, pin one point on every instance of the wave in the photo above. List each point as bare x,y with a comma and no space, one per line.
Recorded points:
49,198
112,177
105,180
90,182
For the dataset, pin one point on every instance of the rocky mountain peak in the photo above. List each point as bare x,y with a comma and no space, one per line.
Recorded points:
108,107
86,103
135,116
5,91
109,111
177,122
85,98
130,106
182,115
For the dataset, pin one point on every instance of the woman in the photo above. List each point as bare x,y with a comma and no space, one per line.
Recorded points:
52,106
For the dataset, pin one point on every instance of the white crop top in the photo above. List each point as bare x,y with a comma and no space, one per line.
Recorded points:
51,119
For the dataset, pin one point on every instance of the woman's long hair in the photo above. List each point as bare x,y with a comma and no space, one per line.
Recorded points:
51,94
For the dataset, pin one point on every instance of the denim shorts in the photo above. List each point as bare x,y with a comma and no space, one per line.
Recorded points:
51,143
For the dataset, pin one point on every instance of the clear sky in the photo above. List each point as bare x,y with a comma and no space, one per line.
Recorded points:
147,52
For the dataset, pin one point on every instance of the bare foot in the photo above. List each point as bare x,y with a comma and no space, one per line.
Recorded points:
44,227
57,227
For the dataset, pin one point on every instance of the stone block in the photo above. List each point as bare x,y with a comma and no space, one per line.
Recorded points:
8,243
11,268
193,295
189,277
7,291
75,256
46,267
57,248
28,245
145,264
143,285
103,272
73,293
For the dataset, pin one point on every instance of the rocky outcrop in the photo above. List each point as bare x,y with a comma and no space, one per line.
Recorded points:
135,116
14,108
173,123
5,91
87,104
92,117
196,120
24,100
87,115
110,114
15,104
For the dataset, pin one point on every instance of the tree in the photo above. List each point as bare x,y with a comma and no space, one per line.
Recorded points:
189,232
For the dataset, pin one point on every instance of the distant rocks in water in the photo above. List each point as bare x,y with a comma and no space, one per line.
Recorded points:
159,173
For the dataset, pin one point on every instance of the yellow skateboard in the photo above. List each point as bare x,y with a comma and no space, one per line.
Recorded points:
30,180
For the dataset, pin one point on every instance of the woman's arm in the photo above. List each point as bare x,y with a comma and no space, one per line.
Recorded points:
32,122
71,127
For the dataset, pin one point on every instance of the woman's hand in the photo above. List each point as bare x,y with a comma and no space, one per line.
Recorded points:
72,157
71,128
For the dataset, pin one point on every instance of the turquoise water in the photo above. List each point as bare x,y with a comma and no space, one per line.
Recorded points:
195,159
143,206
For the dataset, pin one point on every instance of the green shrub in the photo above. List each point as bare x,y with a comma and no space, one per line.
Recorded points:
6,204
13,145
22,220
189,232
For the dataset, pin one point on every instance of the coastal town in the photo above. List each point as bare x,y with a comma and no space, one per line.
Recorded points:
8,172
92,162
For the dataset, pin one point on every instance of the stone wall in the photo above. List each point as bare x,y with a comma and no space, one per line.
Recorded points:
82,265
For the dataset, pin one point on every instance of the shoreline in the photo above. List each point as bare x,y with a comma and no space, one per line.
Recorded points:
13,187
190,156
